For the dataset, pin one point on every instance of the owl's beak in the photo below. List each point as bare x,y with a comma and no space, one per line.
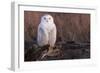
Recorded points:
47,20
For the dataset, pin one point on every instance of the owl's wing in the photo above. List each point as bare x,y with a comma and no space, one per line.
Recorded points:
42,38
52,37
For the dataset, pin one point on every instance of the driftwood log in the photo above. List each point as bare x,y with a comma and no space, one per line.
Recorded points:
67,50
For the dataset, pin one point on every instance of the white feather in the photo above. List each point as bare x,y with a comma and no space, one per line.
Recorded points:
46,31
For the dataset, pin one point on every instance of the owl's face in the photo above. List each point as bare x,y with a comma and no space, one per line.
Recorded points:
47,19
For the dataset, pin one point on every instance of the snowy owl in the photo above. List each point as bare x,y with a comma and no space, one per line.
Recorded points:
47,32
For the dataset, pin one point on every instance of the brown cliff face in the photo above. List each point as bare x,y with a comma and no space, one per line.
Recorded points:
70,26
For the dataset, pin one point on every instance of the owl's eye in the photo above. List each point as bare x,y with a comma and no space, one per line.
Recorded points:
44,18
49,18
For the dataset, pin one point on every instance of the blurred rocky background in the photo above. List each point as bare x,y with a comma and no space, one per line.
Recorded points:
73,36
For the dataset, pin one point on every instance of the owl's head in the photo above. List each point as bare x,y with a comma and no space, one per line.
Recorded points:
47,18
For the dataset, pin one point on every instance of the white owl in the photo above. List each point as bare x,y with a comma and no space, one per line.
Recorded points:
47,32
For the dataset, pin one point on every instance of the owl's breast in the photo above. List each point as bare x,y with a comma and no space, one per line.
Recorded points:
48,26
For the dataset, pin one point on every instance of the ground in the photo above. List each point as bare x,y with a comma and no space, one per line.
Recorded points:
62,51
